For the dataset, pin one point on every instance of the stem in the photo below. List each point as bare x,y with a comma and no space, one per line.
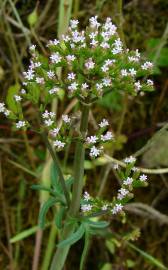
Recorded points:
61,253
56,162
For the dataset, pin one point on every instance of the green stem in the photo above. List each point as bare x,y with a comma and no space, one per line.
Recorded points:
56,162
61,253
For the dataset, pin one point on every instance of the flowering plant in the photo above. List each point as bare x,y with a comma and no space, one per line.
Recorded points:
94,62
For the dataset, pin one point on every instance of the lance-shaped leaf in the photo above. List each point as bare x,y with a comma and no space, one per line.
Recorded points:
44,209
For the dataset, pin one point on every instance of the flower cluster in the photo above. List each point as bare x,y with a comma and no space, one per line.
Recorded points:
94,143
94,61
130,179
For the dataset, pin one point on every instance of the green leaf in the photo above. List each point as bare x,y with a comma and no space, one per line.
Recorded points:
110,246
59,217
14,106
41,187
74,237
44,209
97,224
55,179
107,266
148,257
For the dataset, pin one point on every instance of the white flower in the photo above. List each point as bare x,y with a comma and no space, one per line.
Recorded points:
108,136
70,57
105,68
150,82
84,86
66,118
50,74
124,72
73,86
37,64
91,139
53,90
86,196
143,178
89,64
105,45
93,22
130,159
117,208
53,42
133,59
54,132
29,75
94,43
99,86
40,80
106,81
71,76
59,144
138,86
55,58
94,152
118,42
48,122
23,91
32,47
52,114
135,169
20,124
104,123
17,98
86,207
2,107
147,65
104,207
122,193
6,112
116,166
74,23
137,53
46,114
128,181
132,71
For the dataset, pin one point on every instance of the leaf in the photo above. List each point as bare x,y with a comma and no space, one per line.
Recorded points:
148,257
74,237
55,178
107,266
59,217
97,224
111,101
110,246
24,234
10,101
44,209
41,187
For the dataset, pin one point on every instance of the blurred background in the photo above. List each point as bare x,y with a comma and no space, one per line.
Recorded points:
140,241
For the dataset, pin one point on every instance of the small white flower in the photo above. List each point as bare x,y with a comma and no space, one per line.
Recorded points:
143,178
104,123
86,207
29,75
147,65
93,35
99,87
17,98
122,193
105,45
105,68
50,74
66,118
130,159
37,64
132,71
106,81
48,122
55,58
2,107
128,181
52,114
116,166
86,196
91,139
94,152
138,85
6,112
73,86
46,114
59,144
23,91
117,208
84,86
89,64
32,47
53,90
20,124
93,22
108,136
104,207
70,57
71,76
40,80
150,82
74,23
124,72
54,132
53,42
135,169
94,43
